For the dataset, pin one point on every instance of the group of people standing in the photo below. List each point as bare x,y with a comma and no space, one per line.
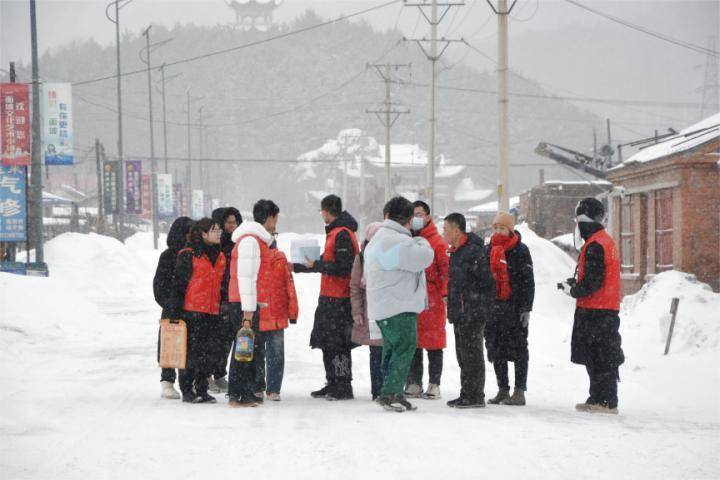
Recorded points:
394,291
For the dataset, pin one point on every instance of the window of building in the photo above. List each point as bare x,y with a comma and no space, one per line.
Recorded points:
627,234
663,230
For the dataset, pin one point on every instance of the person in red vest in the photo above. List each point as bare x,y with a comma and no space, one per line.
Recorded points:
332,329
251,294
197,279
431,322
596,341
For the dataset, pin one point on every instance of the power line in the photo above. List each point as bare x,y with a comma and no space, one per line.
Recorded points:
639,28
245,45
646,103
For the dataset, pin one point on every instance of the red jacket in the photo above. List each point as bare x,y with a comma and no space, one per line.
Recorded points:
608,297
336,286
283,304
431,322
203,290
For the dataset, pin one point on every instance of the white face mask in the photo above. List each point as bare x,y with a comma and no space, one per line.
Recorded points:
578,241
417,224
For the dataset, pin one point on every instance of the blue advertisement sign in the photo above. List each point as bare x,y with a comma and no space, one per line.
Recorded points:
57,135
13,209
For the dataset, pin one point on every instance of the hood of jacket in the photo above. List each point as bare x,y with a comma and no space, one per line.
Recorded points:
252,228
177,236
342,220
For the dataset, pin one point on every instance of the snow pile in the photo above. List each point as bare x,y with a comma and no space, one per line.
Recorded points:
697,326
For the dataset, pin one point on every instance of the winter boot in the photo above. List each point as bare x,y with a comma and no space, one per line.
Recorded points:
204,398
468,403
586,406
413,390
321,393
340,391
454,403
273,397
603,408
256,399
392,403
168,391
502,395
432,392
189,397
217,385
242,402
517,399
260,395
409,407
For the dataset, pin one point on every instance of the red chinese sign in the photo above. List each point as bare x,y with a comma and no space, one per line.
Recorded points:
15,124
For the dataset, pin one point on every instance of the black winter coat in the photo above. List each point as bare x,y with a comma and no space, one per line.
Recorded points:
332,328
219,215
596,341
163,281
471,287
505,337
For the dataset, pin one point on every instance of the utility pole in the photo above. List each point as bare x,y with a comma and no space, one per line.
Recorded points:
36,164
162,75
433,55
388,115
189,154
503,192
153,160
99,173
201,151
120,179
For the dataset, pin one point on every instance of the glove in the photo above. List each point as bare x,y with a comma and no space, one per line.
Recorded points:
293,321
565,287
525,319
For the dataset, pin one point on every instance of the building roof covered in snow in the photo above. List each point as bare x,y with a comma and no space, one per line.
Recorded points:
492,207
688,138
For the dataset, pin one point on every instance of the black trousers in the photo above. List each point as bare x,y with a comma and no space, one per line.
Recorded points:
338,365
226,336
521,373
435,366
202,352
241,377
376,373
471,359
603,387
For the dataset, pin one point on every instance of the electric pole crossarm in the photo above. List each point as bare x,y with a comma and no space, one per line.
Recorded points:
501,13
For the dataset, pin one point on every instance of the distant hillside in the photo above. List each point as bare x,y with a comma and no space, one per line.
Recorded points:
285,97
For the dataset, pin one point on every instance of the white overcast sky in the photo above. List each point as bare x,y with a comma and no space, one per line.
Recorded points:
569,49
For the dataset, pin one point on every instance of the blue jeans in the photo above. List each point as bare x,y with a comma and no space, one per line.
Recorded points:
270,350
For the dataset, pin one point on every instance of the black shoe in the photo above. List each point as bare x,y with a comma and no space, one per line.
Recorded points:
467,403
254,398
454,403
204,398
189,397
340,391
245,402
320,393
408,406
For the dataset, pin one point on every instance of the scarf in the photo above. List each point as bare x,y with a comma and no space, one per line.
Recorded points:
500,244
463,241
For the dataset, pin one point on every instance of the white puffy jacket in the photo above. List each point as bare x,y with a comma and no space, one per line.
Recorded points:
248,261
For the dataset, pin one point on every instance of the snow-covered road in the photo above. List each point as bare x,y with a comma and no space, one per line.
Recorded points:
80,393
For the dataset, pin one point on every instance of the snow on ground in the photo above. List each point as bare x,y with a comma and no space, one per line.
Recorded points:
80,396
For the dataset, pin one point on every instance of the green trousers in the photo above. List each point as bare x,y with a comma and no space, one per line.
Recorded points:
399,335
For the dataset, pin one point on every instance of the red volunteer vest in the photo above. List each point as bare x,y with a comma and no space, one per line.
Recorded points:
333,285
608,297
203,291
263,279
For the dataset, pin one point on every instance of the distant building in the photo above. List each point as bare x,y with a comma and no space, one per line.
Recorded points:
353,166
253,14
665,209
549,208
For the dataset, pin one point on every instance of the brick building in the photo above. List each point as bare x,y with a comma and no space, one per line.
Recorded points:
549,208
665,209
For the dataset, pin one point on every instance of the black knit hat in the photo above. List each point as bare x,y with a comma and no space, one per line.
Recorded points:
592,208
